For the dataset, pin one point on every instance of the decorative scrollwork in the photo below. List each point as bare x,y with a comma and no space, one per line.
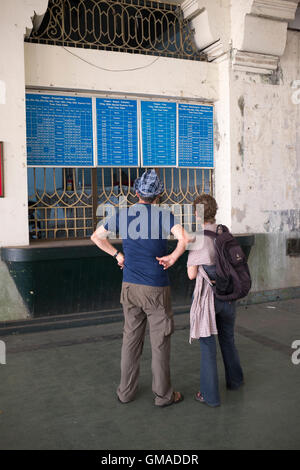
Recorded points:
62,201
137,26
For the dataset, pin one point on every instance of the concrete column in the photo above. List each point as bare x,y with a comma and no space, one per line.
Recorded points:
15,18
223,144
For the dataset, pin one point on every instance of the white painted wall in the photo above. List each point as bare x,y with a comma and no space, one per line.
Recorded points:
264,153
14,220
265,144
57,67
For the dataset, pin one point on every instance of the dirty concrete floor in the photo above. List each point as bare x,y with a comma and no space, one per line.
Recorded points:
57,390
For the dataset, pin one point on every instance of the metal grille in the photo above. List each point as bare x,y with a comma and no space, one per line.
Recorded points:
63,202
136,26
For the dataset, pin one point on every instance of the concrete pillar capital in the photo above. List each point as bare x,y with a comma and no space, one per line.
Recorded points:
253,29
261,27
283,10
211,23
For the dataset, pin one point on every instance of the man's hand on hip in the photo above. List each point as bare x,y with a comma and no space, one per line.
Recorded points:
121,260
183,239
167,261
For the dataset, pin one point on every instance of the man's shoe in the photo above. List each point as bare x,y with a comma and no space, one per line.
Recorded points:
124,402
177,398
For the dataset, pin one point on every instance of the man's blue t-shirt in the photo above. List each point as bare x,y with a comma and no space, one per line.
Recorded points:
144,229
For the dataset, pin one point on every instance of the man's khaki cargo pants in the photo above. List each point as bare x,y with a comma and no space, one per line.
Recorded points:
139,304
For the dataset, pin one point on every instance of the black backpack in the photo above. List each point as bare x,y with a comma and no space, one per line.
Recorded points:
233,280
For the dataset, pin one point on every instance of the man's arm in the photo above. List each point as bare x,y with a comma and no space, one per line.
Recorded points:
183,239
99,237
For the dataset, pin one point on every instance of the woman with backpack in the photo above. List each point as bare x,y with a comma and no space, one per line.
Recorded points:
209,315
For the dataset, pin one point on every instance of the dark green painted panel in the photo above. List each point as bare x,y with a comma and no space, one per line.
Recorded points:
75,279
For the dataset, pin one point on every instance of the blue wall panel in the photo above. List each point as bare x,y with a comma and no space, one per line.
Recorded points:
195,136
158,121
59,130
117,132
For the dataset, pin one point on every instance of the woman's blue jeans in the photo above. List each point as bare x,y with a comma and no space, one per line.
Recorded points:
209,383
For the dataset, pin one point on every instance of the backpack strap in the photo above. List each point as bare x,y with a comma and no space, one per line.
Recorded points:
210,234
222,229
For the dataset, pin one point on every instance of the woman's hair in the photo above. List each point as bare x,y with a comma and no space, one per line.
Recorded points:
210,206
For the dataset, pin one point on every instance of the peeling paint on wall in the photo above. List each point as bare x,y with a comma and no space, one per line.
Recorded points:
241,104
283,221
217,137
241,149
276,78
238,214
241,144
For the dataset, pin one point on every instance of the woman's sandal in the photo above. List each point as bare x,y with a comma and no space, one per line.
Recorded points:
177,398
199,397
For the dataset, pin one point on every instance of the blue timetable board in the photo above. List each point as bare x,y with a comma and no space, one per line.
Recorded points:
195,136
59,130
117,132
158,128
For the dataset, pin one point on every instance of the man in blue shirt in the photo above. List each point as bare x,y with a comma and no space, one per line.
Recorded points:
144,228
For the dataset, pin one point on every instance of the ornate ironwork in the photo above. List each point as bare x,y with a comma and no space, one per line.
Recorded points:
63,202
136,26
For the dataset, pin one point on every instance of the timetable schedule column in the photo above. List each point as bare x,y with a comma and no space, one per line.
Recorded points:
117,134
158,121
59,130
195,140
